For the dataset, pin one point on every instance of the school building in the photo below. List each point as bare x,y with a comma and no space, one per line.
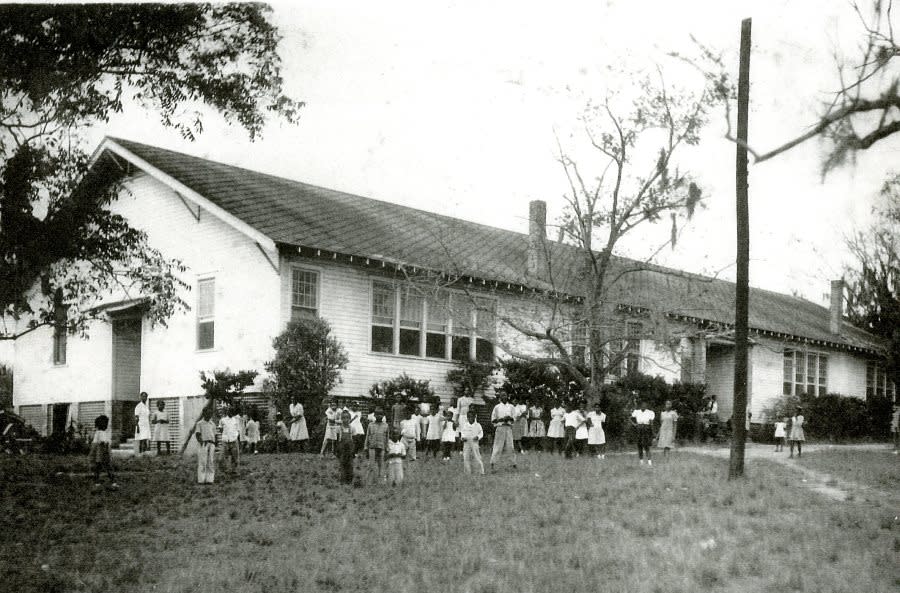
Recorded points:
261,250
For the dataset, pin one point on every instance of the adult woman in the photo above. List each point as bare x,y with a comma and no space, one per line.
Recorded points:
299,434
668,419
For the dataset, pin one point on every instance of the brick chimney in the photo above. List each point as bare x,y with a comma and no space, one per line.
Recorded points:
837,306
536,264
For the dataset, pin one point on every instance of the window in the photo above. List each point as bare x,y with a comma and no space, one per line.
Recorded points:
805,373
382,317
437,307
633,331
206,312
578,337
877,382
60,331
304,294
443,325
411,316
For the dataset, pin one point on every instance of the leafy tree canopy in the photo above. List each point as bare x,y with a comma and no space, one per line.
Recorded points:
68,67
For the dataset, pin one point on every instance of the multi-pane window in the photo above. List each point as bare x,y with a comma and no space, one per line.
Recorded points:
633,331
444,325
60,333
804,373
383,306
578,337
877,382
304,294
206,314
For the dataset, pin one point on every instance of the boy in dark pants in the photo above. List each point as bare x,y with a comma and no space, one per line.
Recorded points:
345,448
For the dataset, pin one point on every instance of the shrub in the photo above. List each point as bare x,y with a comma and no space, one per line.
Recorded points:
470,377
403,389
307,365
686,398
835,417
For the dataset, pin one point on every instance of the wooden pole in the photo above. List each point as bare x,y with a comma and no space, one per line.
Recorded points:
742,284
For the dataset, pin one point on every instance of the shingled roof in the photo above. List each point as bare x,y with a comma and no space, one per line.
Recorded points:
291,213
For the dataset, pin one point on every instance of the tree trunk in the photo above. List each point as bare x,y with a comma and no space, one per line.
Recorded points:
742,283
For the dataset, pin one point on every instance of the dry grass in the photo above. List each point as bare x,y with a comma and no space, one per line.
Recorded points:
585,525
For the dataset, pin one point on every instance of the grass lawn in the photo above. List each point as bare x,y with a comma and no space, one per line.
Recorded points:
584,525
877,469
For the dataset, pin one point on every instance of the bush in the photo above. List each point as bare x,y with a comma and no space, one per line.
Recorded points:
403,389
307,365
686,398
470,377
835,417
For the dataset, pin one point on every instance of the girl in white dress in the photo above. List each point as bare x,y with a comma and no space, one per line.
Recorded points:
252,433
581,433
780,434
668,419
299,434
536,431
160,421
556,431
596,434
332,419
797,436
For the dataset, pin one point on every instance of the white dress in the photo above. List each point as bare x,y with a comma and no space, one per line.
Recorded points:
556,429
142,430
596,435
160,429
298,423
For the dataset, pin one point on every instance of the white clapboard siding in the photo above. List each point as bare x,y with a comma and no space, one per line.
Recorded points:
36,416
174,412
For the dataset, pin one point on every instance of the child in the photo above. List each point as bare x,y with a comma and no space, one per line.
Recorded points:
895,428
99,455
409,431
396,451
345,448
205,432
376,441
642,419
668,424
780,434
252,433
520,424
231,430
332,418
281,432
797,437
536,432
556,431
471,433
160,421
417,418
448,435
433,432
581,432
573,421
596,434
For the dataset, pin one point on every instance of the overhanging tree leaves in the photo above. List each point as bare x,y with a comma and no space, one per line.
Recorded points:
873,282
67,67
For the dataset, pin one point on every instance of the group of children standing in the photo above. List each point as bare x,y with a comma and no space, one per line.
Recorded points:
792,430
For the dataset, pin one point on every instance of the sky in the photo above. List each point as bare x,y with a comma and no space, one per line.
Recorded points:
455,108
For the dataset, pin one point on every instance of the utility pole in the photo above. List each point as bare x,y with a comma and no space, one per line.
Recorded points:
742,283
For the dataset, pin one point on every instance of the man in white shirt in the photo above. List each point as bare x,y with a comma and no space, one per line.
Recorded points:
572,421
471,433
231,430
502,419
642,419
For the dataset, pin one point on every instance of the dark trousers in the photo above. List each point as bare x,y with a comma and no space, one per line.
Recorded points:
570,441
448,448
433,445
644,436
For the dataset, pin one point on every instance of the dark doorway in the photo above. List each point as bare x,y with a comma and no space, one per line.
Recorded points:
60,416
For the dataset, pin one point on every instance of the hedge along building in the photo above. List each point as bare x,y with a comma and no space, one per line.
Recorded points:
405,291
